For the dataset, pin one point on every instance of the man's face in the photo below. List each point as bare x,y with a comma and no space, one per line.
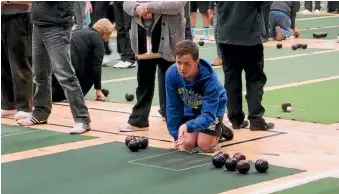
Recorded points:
187,67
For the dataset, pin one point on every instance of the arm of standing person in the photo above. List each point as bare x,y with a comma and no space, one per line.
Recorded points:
165,7
174,105
210,101
98,55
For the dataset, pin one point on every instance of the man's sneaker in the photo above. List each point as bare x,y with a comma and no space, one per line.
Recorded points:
127,65
217,61
317,12
80,128
278,34
306,12
244,124
5,113
227,133
30,121
129,128
22,115
264,127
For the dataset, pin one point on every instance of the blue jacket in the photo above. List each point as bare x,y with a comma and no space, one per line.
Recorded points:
205,98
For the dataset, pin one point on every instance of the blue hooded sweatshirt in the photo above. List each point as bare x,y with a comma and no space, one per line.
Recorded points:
204,98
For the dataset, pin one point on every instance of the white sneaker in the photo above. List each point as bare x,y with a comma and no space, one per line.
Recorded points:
80,128
317,12
306,12
107,59
5,113
129,128
127,64
22,115
119,64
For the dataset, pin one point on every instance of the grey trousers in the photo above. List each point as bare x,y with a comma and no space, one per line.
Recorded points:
16,70
80,16
51,53
215,26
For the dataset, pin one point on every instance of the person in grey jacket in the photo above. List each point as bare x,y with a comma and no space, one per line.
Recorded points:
240,42
167,23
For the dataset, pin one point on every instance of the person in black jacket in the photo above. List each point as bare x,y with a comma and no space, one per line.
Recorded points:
87,53
240,42
51,43
282,19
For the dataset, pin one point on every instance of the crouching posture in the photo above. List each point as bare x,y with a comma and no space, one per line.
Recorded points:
195,102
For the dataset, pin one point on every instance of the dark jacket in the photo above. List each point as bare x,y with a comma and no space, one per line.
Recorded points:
52,13
288,7
87,53
241,24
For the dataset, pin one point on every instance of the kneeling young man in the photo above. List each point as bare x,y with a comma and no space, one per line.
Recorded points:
195,101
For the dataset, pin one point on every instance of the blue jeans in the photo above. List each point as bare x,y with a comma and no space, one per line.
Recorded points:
278,18
51,54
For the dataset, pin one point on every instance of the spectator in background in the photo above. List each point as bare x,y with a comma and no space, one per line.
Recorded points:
16,64
123,25
80,15
203,7
282,19
213,14
309,7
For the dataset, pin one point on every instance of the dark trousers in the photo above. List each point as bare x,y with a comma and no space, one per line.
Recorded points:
16,68
102,9
58,94
123,25
145,90
265,11
333,5
234,63
308,5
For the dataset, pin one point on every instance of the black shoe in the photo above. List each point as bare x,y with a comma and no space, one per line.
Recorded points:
244,124
226,133
264,127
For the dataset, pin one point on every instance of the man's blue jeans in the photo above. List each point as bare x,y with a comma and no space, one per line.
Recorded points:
278,18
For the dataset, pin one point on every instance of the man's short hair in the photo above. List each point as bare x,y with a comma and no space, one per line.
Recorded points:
187,47
104,26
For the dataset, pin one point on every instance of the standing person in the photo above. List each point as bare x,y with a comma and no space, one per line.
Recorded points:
51,53
87,53
203,7
123,25
309,7
213,14
16,49
168,28
333,7
241,49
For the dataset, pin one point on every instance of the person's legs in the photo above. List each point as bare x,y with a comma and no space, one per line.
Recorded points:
18,33
59,53
193,16
163,65
217,61
119,25
138,120
79,12
255,82
7,94
308,6
232,59
203,8
317,5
